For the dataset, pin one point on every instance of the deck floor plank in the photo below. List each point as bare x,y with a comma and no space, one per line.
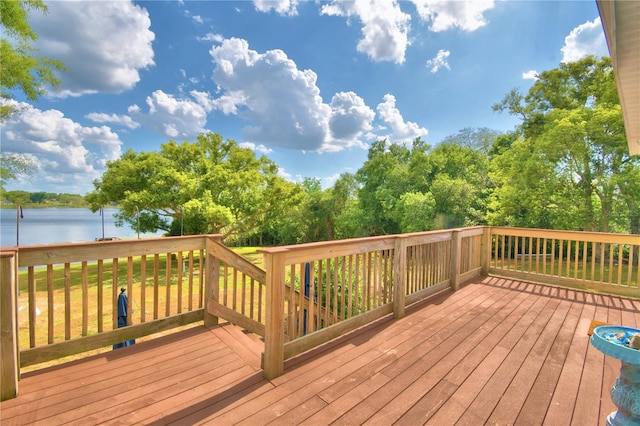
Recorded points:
519,343
535,406
498,351
471,374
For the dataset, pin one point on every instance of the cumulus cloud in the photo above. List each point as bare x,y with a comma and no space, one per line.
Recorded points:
385,27
530,75
283,103
586,39
281,7
402,131
104,45
350,117
260,149
122,120
170,116
65,151
446,14
440,61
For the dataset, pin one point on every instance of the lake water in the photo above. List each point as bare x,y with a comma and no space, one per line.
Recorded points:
60,225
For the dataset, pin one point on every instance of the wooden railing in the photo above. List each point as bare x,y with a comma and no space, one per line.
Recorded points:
61,300
585,260
319,291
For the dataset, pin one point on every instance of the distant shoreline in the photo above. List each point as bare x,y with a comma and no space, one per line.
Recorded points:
49,206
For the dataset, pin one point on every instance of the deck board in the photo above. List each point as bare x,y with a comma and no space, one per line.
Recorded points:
497,351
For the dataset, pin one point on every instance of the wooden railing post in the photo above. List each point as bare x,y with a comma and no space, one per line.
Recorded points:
485,251
212,286
9,350
456,252
399,277
273,361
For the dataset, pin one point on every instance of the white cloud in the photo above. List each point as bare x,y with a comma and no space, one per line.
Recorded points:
530,75
446,14
261,149
282,7
211,37
402,131
330,181
284,174
123,120
282,103
71,154
172,117
103,45
586,39
440,61
350,117
385,27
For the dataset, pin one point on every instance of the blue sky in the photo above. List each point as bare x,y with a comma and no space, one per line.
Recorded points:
308,84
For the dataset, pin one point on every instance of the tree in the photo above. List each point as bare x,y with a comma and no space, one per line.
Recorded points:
21,68
13,166
416,212
37,197
570,167
480,139
383,178
209,186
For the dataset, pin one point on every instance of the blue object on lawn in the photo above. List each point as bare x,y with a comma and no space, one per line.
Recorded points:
123,301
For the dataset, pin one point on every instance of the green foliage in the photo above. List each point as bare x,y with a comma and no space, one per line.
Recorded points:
14,166
22,69
419,189
415,212
208,186
43,199
570,168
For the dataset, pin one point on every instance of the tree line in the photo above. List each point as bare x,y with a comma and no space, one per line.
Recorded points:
42,199
566,166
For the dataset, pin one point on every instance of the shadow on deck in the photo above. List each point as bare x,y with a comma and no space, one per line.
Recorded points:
497,351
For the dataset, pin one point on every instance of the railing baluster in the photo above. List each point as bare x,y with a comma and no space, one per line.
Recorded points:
67,301
143,288
620,261
130,294
85,298
100,284
114,293
31,283
201,297
167,283
190,292
156,286
50,303
180,273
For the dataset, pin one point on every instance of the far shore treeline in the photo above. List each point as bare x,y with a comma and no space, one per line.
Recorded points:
41,200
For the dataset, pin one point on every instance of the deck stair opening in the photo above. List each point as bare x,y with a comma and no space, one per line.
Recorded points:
247,345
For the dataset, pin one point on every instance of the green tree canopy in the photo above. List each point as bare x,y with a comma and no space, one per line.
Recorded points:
570,167
21,68
13,166
209,186
450,182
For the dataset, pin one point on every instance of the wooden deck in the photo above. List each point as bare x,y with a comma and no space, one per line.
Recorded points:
497,351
